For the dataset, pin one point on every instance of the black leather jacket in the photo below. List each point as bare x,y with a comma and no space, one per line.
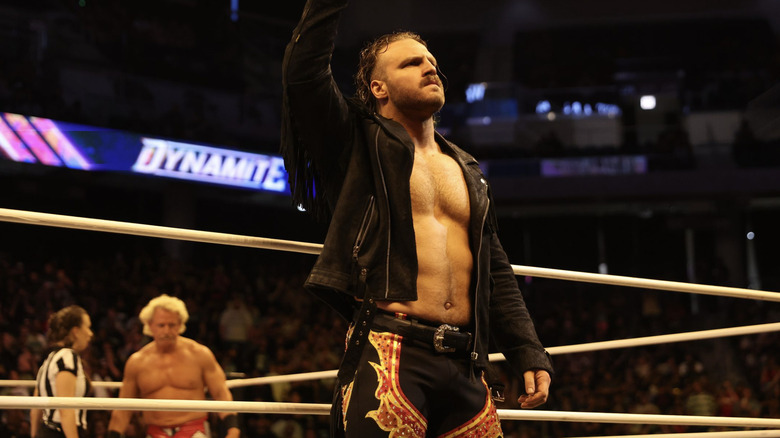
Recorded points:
355,166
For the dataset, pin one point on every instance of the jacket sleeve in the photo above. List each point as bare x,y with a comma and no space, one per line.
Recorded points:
315,115
510,322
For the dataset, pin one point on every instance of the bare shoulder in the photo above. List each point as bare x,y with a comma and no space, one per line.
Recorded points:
137,359
196,348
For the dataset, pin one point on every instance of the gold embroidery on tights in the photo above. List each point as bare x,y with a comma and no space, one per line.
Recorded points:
483,425
396,414
346,395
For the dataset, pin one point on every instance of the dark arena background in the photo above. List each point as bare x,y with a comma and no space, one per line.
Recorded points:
632,138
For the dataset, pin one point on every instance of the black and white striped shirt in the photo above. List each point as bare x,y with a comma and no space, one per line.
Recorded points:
62,360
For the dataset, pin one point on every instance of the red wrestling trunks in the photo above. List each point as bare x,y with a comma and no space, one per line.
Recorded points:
191,429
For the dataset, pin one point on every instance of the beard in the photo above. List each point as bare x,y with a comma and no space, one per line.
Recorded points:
419,100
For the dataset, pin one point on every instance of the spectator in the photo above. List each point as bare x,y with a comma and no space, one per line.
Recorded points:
700,401
276,344
235,323
727,399
643,406
748,405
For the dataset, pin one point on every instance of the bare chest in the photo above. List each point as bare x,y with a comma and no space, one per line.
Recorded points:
438,187
169,371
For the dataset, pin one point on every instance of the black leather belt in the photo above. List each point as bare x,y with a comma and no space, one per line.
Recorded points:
442,339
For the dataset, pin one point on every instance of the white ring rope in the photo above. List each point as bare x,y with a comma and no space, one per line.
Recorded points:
728,434
268,380
494,357
619,280
31,383
139,404
655,340
146,404
74,222
80,223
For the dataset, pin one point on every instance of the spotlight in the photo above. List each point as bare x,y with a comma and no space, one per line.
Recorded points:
647,102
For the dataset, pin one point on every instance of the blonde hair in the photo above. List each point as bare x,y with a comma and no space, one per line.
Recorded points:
169,303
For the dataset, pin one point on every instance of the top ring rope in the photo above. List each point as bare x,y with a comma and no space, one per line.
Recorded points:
56,220
618,280
80,223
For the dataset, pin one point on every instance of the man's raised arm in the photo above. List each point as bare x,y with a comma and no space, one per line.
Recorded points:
315,116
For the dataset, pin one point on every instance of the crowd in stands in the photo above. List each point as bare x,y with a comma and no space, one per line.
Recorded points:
254,313
251,310
196,45
188,49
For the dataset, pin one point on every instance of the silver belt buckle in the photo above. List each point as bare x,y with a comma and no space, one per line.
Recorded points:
438,338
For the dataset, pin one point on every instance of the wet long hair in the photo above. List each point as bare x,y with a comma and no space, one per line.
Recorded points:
367,63
61,323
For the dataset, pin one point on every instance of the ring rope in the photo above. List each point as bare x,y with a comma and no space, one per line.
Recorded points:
268,380
139,404
74,222
655,340
727,434
604,417
620,280
80,223
310,248
145,404
494,357
31,383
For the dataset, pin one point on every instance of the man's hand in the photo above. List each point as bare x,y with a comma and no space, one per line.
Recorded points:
537,388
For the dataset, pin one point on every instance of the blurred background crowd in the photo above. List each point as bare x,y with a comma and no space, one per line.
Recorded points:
250,309
211,71
527,80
